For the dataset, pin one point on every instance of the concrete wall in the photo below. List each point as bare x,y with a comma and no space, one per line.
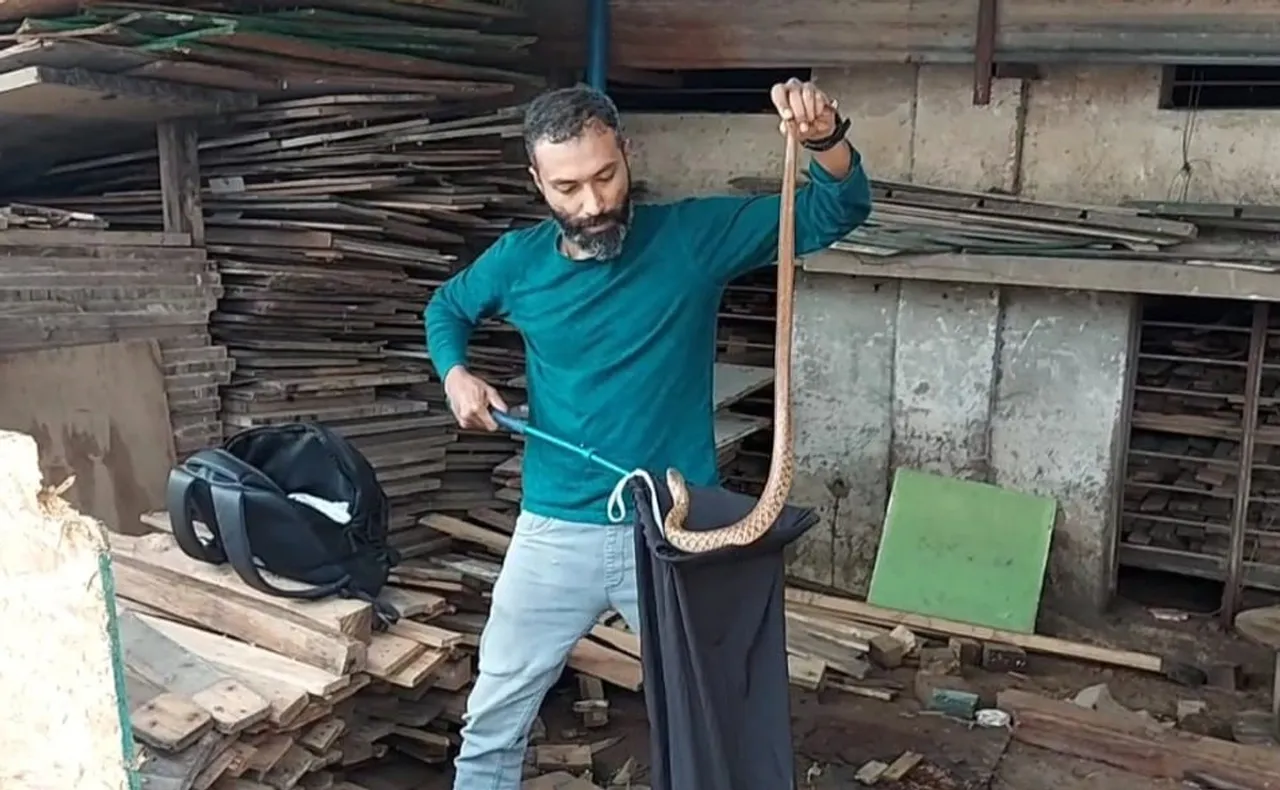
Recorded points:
1076,134
1021,387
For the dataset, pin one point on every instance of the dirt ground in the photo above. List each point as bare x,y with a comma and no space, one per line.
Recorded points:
835,732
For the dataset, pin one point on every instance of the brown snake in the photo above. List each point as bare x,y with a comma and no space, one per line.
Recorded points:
782,464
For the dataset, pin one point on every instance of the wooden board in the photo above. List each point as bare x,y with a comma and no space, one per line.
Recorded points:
100,413
65,725
722,34
1134,744
732,383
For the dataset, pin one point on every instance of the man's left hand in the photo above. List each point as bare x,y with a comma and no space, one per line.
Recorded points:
803,104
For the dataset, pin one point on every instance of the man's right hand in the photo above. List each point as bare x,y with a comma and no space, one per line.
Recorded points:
470,399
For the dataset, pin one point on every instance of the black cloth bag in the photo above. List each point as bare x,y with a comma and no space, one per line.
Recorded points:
713,639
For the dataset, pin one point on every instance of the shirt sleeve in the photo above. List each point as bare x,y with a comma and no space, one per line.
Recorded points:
735,235
480,291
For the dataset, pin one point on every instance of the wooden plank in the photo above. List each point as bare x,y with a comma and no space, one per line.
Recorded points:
611,666
45,92
1134,744
1036,643
732,383
177,146
99,413
254,665
652,34
226,610
351,617
1222,279
159,660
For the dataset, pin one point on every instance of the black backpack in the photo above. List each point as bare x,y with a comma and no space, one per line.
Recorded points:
241,490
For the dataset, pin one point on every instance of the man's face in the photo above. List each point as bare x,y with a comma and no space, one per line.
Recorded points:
587,185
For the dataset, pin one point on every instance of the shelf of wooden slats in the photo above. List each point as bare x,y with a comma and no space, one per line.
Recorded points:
745,335
1182,475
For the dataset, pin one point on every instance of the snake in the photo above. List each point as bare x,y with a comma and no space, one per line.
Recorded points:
782,462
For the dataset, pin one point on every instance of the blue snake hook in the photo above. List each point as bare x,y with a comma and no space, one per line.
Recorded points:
516,425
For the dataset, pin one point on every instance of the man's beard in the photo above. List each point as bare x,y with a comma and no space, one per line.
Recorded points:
602,244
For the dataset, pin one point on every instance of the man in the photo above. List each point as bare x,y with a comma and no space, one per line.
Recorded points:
617,305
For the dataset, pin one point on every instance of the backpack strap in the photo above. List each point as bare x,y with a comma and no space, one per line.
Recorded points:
230,536
182,487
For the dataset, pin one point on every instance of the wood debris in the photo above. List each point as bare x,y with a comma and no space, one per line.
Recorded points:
1137,744
289,693
19,215
847,610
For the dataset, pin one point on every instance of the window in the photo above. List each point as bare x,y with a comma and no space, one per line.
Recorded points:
713,90
1220,88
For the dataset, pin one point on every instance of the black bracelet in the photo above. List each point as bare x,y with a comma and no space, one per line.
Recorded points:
832,140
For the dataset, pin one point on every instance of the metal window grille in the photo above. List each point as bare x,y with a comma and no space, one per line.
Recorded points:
738,91
1220,88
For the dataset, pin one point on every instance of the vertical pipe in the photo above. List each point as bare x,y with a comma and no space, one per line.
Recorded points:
598,44
984,53
1233,577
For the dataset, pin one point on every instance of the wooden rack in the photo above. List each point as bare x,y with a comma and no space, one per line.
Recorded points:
1201,494
745,336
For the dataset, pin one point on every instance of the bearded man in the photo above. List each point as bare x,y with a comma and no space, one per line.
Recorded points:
617,303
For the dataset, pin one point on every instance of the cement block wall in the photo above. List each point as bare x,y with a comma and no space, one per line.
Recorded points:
1077,134
1021,387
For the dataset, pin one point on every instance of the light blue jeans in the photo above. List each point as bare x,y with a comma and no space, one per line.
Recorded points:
558,577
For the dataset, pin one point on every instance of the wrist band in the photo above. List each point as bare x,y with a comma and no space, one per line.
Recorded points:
832,140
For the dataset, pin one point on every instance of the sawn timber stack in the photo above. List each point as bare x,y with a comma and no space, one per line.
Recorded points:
68,281
343,702
382,157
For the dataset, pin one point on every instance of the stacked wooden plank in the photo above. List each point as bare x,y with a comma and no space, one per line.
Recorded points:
1183,476
230,686
381,160
64,281
911,218
468,479
272,50
1184,451
732,384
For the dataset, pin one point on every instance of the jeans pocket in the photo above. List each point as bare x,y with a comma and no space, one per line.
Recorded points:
530,524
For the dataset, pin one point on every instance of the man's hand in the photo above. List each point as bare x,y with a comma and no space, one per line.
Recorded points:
470,399
811,111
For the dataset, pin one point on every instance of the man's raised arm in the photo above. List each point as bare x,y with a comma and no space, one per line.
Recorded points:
734,235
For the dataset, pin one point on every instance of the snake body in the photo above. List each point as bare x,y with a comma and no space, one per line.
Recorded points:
782,465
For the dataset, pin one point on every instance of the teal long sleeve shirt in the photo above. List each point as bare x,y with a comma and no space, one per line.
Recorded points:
620,354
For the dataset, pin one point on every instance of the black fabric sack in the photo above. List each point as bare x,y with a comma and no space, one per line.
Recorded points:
240,492
714,648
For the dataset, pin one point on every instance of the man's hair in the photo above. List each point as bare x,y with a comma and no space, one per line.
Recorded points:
563,114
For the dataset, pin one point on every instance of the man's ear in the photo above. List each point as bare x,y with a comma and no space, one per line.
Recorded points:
626,145
537,182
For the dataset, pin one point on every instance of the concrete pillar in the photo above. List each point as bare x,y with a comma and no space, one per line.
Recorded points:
1055,430
843,393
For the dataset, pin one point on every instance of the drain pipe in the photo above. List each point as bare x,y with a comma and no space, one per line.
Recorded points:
598,44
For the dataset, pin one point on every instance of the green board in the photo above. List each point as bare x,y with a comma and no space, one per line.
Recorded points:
963,551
